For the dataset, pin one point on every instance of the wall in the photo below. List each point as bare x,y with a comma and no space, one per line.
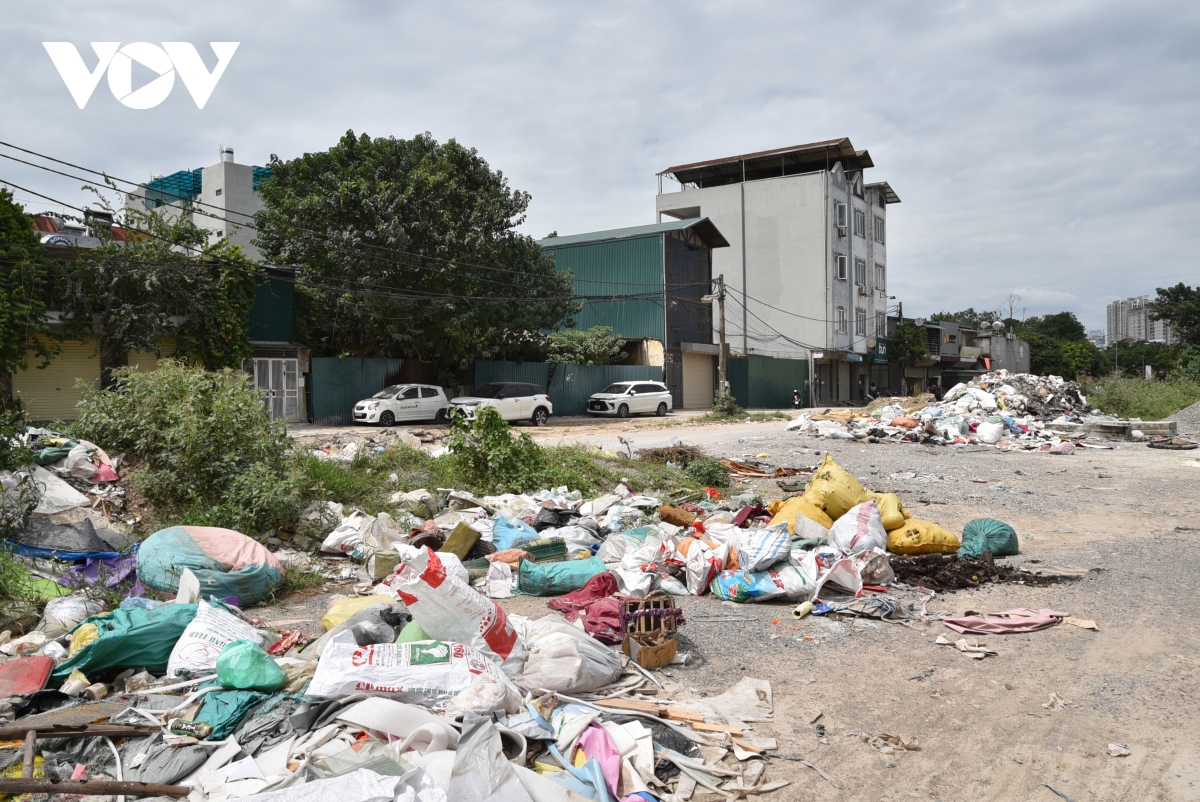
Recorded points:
618,267
271,315
50,393
572,384
337,384
237,198
764,382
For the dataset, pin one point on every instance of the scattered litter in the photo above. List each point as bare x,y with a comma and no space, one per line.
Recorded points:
1056,702
976,651
1119,750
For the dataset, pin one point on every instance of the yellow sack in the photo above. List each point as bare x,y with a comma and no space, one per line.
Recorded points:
922,537
341,610
774,506
891,511
83,635
834,490
799,505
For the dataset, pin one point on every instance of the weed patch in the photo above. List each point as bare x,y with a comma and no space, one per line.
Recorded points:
1137,398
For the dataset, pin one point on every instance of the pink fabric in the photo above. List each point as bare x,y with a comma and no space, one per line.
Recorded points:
598,745
1008,622
231,549
598,587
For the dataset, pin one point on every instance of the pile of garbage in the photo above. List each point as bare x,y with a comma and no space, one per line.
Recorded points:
345,446
1009,411
421,686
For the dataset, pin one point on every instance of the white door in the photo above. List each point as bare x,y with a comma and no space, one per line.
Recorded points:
407,405
430,402
643,400
278,381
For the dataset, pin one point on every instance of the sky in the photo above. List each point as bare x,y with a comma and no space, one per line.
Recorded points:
1046,150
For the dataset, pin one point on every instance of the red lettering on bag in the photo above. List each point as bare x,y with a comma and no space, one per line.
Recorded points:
407,598
435,573
496,632
362,657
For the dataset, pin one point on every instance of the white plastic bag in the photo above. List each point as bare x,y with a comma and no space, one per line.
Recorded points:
703,563
454,567
449,609
990,432
429,673
198,648
860,529
759,549
563,658
499,580
875,568
634,581
67,612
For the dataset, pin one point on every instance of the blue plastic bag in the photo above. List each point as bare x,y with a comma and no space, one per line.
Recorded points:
508,533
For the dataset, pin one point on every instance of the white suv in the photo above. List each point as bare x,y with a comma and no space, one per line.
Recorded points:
403,402
631,398
516,401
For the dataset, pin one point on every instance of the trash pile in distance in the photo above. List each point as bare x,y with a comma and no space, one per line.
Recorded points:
422,686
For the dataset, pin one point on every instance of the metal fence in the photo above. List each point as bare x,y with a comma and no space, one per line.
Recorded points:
338,383
572,384
767,382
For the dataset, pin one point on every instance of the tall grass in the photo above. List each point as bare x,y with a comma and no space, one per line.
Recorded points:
1137,398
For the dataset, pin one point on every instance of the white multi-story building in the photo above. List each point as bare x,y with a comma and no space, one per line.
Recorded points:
222,198
1096,337
807,266
1129,319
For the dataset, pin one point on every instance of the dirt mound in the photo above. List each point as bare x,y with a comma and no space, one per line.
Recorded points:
947,572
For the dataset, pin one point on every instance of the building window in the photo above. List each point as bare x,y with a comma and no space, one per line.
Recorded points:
860,322
880,325
860,272
840,319
840,261
839,214
880,277
219,192
878,229
860,223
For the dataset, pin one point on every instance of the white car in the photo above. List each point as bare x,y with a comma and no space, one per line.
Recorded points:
403,402
516,401
631,398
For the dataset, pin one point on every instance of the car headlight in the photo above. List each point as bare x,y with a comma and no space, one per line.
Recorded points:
373,405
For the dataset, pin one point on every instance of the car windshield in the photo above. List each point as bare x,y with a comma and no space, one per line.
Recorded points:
388,392
489,390
615,389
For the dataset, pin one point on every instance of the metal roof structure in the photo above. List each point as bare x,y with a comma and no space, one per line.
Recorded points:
885,189
771,163
703,228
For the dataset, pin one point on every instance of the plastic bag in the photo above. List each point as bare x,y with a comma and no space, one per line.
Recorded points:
450,610
244,665
197,650
759,549
703,564
891,510
129,639
988,534
508,533
860,529
67,612
798,507
341,610
921,537
555,579
793,581
429,673
563,659
990,432
834,490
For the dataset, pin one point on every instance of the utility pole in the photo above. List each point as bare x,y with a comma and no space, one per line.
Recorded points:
722,373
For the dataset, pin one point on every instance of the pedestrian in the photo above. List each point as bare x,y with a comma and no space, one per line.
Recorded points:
795,399
937,391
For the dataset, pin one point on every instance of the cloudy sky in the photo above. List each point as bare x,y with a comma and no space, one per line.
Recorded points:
1043,149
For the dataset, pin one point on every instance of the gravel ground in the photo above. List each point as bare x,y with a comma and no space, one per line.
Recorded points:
1189,420
983,730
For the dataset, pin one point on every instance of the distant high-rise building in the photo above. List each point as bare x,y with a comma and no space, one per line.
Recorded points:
1130,320
1096,337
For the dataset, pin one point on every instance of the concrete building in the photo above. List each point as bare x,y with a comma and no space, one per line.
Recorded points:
807,266
1096,337
221,198
1129,319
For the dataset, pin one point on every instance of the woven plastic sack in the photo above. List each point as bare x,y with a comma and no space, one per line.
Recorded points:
759,549
834,490
891,510
563,659
792,581
452,611
859,530
988,534
244,665
794,508
921,537
555,579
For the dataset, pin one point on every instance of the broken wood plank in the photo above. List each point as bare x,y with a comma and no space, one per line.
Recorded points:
90,787
77,731
659,709
27,764
701,726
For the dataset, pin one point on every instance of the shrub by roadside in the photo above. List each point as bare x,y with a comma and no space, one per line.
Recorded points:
1137,398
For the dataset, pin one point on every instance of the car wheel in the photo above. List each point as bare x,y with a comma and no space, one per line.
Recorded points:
623,411
540,416
442,416
387,419
662,410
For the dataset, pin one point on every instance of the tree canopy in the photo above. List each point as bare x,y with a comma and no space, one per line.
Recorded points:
595,346
906,347
1180,307
408,247
967,318
23,275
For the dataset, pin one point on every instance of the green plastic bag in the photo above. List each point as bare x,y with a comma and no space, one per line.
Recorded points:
244,665
130,638
555,579
988,534
224,710
411,633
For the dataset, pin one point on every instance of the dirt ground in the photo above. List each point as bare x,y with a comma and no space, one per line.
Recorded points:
1125,520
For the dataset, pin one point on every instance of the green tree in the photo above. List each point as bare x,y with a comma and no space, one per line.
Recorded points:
410,248
967,318
1180,307
595,346
1082,359
23,278
906,347
166,280
1061,326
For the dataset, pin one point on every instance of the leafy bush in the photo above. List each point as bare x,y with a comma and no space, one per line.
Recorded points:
727,406
598,345
1138,398
205,445
20,493
708,472
487,456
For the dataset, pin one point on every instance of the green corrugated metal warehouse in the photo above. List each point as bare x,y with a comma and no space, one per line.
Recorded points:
646,284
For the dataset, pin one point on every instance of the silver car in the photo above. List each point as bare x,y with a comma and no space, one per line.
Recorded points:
623,399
